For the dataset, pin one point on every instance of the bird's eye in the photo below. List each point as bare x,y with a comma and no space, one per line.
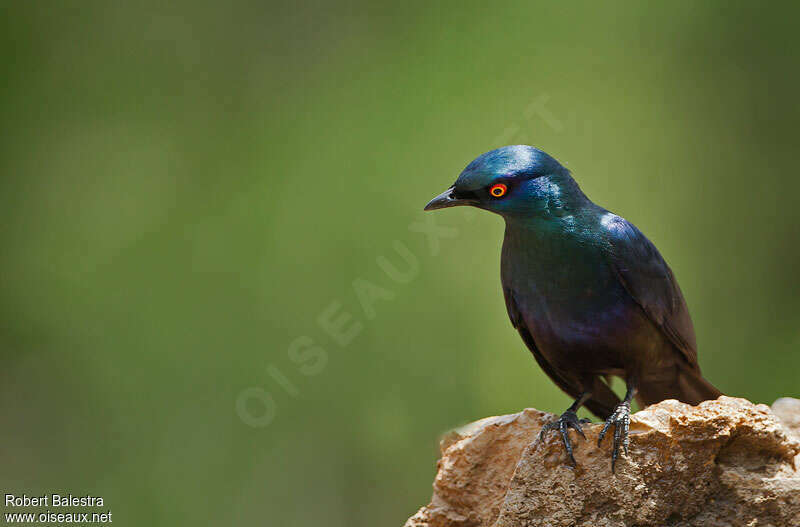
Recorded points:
499,190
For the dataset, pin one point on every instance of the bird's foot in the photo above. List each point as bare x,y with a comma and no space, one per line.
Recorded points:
567,420
621,419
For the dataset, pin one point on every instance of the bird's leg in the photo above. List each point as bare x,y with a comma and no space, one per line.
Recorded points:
568,419
621,419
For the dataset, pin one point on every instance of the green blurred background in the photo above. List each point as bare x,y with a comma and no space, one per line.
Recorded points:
186,189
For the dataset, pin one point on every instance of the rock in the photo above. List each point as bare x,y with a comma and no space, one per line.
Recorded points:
788,411
721,463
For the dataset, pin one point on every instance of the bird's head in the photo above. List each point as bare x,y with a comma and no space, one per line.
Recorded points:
512,180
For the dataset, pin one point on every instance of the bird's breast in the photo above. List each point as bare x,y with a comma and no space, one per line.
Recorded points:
567,293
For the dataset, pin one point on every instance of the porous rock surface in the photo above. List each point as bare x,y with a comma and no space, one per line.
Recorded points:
727,462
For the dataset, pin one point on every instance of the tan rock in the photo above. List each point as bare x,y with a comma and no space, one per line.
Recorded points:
725,462
788,411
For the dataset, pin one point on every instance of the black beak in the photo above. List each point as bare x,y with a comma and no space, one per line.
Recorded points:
447,199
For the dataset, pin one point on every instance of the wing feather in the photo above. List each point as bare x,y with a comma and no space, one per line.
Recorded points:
648,279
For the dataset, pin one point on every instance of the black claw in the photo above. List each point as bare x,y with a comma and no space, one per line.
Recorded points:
567,445
621,419
576,425
626,425
567,420
603,431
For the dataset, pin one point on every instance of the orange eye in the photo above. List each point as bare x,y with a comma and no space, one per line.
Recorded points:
498,191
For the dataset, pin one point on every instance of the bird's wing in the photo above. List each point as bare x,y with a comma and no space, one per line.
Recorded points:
648,279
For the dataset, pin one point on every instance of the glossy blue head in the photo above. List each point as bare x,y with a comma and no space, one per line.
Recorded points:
512,180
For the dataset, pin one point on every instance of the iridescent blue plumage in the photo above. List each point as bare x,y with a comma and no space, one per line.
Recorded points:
590,295
512,161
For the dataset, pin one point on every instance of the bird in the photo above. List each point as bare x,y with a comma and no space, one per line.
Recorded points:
590,295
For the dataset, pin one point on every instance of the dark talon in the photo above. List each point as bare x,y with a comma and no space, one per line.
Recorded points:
621,419
567,420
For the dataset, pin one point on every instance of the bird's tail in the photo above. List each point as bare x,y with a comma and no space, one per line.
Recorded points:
690,388
694,388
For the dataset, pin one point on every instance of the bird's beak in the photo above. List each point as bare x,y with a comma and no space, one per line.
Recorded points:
447,199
